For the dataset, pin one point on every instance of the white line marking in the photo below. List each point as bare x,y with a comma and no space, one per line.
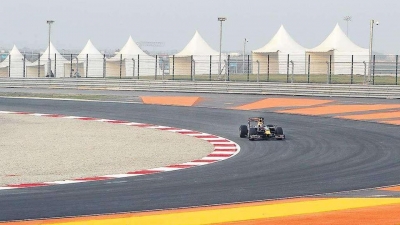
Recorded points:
121,175
7,188
194,163
200,134
65,182
157,127
104,120
224,147
222,152
73,117
165,169
6,112
214,158
38,114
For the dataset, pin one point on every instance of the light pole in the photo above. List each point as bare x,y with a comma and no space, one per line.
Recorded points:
221,19
49,22
371,39
347,19
244,52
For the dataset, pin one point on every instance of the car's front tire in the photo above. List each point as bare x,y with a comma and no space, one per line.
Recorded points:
279,133
243,131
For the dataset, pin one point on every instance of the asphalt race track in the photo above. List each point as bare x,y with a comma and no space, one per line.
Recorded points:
320,155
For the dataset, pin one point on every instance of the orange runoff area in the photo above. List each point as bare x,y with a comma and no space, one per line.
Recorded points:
282,102
373,116
394,122
372,216
335,109
170,100
341,210
151,213
394,188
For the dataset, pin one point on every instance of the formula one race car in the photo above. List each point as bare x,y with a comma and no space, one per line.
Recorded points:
255,129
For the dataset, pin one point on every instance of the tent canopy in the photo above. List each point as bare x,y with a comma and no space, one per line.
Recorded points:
337,41
14,53
282,42
53,52
130,48
90,50
197,46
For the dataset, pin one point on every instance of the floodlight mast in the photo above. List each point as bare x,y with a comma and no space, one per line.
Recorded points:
221,19
347,19
244,53
371,40
49,22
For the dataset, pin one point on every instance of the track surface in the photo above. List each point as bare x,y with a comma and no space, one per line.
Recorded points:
320,155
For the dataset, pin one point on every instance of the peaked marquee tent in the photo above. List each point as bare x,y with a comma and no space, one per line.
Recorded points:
57,64
13,65
90,62
275,54
131,58
337,49
201,53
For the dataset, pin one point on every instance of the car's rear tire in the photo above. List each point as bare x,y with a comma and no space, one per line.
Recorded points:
279,132
243,131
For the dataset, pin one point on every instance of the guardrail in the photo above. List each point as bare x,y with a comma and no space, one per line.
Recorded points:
221,87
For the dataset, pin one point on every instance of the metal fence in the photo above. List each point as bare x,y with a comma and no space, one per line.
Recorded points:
259,67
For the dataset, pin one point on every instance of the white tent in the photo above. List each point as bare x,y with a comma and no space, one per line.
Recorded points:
57,64
90,62
13,65
131,58
337,50
274,55
202,55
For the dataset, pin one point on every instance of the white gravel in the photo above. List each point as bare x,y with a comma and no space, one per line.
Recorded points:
39,149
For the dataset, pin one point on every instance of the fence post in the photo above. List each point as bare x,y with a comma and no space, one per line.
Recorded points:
133,69
309,67
38,64
397,66
9,65
55,65
87,65
104,66
287,68
138,66
373,71
229,63
70,69
173,67
327,72
291,77
268,69
258,71
352,69
248,68
330,69
23,73
365,72
162,68
191,67
209,78
155,70
77,68
120,66
194,70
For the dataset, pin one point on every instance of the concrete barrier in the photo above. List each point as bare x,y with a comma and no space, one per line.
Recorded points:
221,87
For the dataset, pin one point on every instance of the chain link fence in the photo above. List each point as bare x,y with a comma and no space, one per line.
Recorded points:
317,67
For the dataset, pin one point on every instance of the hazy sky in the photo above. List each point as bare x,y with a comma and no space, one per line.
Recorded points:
108,23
